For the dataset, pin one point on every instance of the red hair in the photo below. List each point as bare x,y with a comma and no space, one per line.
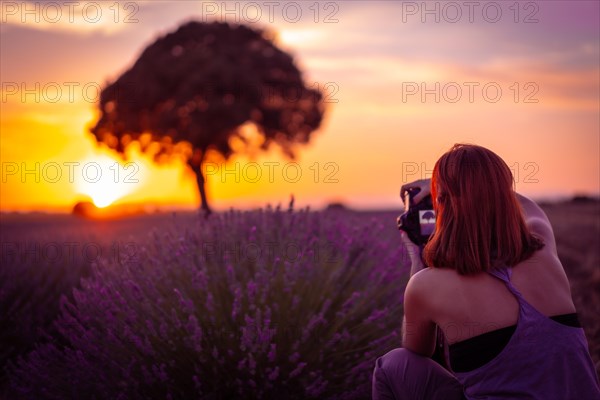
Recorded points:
479,220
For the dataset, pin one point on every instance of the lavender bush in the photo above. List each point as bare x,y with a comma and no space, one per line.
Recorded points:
32,280
261,304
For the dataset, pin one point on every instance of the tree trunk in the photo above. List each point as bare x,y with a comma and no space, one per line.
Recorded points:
197,168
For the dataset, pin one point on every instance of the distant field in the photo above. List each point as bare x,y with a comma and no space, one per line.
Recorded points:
33,298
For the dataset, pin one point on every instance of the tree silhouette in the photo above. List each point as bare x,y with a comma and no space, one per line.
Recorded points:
201,84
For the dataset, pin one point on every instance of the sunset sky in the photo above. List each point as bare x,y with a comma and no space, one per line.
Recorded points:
375,58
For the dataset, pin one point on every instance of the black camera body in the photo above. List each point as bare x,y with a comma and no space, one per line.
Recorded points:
418,219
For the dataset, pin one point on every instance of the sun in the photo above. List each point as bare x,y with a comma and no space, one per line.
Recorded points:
104,196
103,180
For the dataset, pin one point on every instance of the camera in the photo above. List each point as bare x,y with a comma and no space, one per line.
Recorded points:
418,219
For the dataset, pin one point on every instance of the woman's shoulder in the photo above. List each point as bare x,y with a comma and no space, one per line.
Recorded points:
423,282
431,275
434,275
441,291
436,283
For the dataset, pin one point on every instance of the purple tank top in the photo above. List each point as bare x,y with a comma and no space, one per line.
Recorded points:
543,360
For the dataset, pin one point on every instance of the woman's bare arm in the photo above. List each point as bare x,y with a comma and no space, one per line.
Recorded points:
537,221
530,208
418,329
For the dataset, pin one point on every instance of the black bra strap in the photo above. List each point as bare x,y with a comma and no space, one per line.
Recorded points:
474,352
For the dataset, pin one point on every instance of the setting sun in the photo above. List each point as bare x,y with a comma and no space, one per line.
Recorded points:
105,180
102,200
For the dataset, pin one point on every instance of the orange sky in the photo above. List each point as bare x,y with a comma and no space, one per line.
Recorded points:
545,123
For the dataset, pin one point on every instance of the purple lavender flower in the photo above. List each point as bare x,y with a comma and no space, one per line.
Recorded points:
305,319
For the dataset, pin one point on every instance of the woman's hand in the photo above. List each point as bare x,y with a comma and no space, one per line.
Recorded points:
423,184
414,252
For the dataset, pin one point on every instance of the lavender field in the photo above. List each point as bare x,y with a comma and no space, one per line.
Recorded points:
260,304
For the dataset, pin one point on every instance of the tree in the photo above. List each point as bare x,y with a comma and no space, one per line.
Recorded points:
201,84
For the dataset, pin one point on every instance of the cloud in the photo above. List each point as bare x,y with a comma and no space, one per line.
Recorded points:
70,16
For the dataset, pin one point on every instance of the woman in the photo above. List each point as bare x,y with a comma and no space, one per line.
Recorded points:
496,289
